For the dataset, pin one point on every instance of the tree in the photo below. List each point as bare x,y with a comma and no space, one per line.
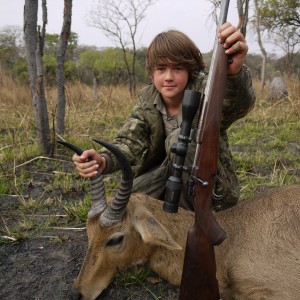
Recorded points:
281,19
243,10
216,4
288,40
257,23
12,52
106,65
30,36
119,21
280,13
53,41
60,59
11,46
34,44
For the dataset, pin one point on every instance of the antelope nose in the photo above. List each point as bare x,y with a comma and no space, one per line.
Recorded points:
74,295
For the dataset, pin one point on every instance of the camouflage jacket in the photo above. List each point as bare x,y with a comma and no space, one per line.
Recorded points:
142,137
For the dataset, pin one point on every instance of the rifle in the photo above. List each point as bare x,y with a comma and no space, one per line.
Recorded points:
199,270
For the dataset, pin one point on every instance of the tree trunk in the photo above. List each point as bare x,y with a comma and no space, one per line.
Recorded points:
95,88
44,127
60,60
129,71
30,36
243,10
34,45
133,69
262,49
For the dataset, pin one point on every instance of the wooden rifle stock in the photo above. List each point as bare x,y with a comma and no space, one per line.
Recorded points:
199,271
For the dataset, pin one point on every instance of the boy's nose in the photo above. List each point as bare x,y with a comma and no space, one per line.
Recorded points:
169,74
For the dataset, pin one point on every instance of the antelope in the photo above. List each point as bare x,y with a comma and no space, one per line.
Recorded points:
259,259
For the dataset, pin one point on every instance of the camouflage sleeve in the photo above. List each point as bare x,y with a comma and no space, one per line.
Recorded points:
132,138
239,97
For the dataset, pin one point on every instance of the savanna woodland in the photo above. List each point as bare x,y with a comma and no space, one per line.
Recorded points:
52,88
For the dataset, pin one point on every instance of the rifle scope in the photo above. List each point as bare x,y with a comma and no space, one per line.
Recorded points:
190,104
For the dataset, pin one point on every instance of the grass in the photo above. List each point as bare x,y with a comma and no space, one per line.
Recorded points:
140,275
42,193
32,183
266,143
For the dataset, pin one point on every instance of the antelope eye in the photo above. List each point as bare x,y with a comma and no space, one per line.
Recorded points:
115,241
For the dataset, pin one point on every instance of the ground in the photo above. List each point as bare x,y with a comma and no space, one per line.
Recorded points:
44,268
44,263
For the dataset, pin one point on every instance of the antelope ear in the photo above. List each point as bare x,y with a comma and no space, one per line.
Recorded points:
152,231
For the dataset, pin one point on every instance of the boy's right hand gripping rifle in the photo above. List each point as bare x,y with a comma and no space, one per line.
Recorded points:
199,271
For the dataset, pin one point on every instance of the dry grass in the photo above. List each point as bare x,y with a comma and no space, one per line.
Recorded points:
283,109
267,139
86,117
15,103
266,143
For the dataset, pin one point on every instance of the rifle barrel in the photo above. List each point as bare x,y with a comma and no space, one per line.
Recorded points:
199,270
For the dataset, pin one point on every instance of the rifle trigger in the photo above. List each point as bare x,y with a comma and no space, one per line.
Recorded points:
199,181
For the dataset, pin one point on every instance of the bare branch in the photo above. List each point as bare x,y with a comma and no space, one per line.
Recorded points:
119,21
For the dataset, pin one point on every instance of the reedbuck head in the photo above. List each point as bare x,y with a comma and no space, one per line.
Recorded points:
122,233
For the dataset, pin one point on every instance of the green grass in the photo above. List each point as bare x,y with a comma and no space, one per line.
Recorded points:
40,194
78,210
265,147
140,275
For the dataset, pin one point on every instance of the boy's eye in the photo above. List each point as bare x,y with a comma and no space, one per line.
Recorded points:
178,68
160,68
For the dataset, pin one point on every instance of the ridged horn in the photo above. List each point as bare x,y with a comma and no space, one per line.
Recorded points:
115,210
99,203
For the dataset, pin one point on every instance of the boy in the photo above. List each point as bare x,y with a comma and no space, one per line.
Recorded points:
174,63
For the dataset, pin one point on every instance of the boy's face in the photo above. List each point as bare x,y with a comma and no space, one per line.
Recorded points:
170,81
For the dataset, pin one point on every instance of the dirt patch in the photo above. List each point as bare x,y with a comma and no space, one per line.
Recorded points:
42,267
44,262
45,268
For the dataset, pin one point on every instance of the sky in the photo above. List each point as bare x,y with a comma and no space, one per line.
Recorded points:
189,16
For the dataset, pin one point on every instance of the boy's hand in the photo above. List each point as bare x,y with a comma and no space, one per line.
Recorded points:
236,46
89,163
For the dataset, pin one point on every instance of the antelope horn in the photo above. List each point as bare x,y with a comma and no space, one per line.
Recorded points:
99,202
115,210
